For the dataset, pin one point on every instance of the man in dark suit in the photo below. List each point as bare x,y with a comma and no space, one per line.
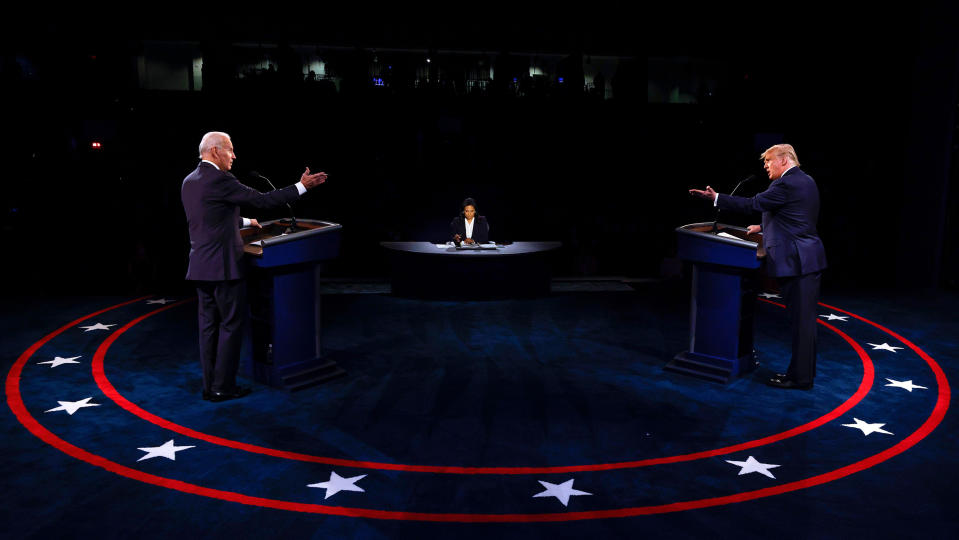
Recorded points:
794,252
211,198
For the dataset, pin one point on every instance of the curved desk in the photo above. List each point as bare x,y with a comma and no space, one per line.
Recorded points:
423,270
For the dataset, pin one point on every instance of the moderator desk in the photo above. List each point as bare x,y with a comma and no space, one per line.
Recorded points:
423,270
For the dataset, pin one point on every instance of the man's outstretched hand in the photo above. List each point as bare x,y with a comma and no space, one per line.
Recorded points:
708,193
310,181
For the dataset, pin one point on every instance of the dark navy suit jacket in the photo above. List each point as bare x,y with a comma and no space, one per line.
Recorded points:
212,199
480,228
790,208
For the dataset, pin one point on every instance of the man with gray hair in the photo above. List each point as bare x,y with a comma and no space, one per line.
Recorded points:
211,198
794,253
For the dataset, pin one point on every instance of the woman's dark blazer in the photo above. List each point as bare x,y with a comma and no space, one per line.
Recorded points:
480,228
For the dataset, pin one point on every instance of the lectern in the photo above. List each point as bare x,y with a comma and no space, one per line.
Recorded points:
725,263
282,348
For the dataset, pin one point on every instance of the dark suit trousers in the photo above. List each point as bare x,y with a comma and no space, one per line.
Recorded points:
802,296
222,315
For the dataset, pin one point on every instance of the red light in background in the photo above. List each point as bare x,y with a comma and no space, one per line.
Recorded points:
96,145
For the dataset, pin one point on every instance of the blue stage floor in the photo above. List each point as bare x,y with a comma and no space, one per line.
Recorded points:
544,418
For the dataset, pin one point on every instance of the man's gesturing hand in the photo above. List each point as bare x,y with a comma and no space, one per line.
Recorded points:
310,181
708,193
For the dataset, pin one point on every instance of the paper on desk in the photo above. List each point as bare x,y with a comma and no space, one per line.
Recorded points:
727,235
451,244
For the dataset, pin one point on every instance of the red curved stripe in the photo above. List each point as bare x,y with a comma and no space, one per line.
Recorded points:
15,402
13,376
107,387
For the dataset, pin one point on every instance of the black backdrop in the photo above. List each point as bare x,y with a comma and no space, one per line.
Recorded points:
869,103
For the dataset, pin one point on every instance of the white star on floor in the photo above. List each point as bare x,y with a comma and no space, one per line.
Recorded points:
337,483
884,347
561,491
751,466
905,384
833,317
168,450
867,428
58,361
767,295
98,326
73,406
162,301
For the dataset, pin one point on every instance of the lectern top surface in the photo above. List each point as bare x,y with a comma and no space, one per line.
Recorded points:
278,232
722,232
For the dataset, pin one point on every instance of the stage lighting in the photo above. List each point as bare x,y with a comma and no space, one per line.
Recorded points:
96,145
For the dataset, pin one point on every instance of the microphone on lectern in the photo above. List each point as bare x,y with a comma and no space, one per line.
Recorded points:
749,178
290,208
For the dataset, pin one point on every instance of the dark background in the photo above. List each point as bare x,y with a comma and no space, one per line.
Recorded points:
868,98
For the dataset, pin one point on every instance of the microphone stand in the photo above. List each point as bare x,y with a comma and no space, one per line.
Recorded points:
741,182
292,227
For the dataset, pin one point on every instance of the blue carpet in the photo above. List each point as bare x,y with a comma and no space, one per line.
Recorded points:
575,379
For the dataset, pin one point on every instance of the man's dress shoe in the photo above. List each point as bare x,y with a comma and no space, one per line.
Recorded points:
788,383
237,392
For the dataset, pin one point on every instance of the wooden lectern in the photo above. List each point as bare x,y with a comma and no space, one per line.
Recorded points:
723,300
282,348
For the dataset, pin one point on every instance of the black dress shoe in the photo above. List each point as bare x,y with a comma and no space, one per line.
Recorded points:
780,376
788,383
237,392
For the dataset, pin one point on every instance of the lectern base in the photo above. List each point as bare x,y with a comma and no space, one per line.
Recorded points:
710,367
297,376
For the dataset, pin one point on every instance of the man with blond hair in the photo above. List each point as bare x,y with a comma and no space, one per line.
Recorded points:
211,198
794,253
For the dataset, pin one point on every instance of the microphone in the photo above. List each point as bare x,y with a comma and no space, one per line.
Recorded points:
749,178
290,208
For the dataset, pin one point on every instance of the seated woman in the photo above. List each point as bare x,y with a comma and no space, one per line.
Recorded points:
469,228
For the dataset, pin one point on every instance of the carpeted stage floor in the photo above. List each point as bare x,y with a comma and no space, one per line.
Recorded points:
544,418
